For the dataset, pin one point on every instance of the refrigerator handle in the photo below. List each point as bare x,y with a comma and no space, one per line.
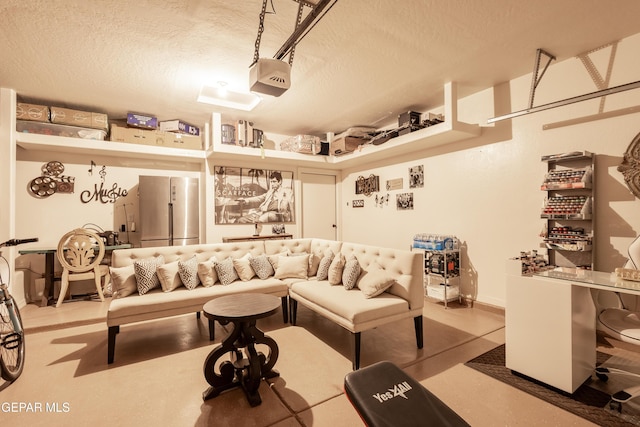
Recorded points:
170,224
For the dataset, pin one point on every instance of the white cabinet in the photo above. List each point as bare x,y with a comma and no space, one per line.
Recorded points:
550,329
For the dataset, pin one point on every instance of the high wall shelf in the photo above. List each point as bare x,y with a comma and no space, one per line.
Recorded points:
61,144
569,209
451,130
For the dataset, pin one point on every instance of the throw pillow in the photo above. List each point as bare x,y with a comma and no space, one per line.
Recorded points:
375,281
273,259
123,281
226,273
304,254
243,268
292,267
145,271
323,267
335,270
351,272
207,272
169,277
261,266
188,271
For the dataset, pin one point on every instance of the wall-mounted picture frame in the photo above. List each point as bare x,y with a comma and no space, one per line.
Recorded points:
250,196
278,229
358,203
404,201
394,184
416,176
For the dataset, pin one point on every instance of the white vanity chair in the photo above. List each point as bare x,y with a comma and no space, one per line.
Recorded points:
619,317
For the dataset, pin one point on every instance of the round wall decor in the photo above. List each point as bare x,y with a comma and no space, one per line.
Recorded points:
630,166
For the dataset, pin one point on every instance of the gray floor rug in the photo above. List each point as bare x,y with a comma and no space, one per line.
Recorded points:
587,402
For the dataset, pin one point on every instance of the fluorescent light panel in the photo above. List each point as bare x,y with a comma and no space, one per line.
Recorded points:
228,98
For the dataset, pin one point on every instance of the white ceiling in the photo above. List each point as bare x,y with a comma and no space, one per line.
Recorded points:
364,63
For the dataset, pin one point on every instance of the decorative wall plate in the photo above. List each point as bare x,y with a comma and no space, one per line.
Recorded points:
630,166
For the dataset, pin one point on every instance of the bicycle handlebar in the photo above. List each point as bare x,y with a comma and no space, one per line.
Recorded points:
16,242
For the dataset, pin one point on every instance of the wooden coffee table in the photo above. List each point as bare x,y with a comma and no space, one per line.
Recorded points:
246,366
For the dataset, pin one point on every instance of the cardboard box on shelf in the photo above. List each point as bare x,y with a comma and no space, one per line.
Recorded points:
67,116
346,144
155,138
179,126
142,121
33,112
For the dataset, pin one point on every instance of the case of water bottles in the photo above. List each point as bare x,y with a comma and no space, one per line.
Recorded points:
435,242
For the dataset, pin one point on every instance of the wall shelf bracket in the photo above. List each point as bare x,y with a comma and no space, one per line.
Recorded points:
537,75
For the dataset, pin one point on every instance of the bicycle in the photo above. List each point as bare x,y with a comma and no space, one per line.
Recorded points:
12,347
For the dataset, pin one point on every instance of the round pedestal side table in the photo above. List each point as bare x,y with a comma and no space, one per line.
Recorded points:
246,366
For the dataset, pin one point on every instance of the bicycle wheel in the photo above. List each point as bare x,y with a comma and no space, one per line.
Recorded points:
11,342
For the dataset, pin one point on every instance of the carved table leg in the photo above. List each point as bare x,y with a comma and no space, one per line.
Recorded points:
241,372
226,378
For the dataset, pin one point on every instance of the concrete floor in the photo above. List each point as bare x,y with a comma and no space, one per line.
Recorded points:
157,377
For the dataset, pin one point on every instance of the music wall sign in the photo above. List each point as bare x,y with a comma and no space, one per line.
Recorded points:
101,193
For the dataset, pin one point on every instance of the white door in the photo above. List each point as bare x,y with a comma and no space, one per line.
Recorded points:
319,205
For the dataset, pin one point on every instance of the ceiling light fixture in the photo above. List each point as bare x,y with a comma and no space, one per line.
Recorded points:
223,97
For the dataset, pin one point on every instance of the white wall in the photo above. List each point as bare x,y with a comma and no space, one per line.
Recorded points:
486,190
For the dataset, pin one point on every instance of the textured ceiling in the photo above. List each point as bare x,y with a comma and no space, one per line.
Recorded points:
364,63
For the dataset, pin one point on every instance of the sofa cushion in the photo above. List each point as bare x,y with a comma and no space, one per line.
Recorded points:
319,248
207,272
292,267
157,304
124,281
169,276
243,268
261,266
351,272
188,271
323,266
374,281
226,272
335,269
273,259
146,273
351,305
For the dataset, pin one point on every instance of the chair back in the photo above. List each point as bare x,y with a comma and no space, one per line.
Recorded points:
80,250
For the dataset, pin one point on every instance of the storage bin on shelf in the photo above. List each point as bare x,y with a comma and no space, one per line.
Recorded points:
303,144
59,130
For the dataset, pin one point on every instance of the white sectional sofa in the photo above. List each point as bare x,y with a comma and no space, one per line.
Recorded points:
387,283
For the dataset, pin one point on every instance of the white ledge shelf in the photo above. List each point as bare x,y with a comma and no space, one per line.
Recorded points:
33,141
449,131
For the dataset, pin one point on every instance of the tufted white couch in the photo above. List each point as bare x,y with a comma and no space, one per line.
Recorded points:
351,309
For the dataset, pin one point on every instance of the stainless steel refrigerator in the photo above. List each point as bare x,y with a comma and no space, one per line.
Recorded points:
169,211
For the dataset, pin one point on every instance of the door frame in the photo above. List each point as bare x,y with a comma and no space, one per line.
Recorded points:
338,205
